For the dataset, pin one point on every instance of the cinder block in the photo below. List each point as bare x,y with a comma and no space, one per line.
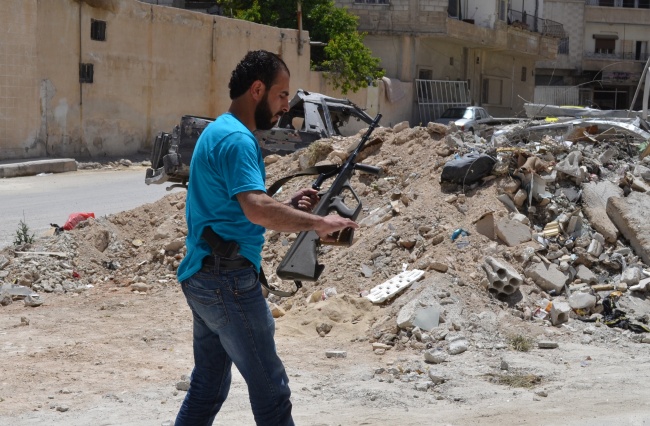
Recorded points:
503,278
560,312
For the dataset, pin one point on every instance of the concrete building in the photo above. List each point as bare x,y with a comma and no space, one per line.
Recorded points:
93,78
442,52
601,58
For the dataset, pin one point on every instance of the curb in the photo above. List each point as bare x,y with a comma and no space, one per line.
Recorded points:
31,168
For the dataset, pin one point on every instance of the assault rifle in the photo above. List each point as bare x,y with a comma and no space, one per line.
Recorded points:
300,262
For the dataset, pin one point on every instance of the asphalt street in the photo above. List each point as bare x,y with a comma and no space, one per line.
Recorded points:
51,198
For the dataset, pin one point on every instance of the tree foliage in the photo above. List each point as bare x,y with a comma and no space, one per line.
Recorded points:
346,61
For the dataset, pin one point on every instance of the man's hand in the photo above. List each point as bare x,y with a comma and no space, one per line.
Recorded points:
332,223
305,199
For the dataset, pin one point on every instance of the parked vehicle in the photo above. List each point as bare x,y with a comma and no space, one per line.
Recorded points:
311,116
468,119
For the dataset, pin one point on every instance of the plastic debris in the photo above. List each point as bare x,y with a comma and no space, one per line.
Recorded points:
390,288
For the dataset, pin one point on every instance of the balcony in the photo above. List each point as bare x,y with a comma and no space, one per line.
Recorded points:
617,56
545,27
630,4
618,61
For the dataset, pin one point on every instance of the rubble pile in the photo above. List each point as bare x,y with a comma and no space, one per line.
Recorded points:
551,234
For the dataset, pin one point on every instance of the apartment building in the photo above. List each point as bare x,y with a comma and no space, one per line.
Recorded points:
601,59
488,47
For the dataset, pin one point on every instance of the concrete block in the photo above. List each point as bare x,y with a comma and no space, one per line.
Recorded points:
512,232
606,156
571,165
642,171
427,318
507,202
585,275
485,225
631,276
547,277
503,278
580,300
594,198
560,312
630,217
401,126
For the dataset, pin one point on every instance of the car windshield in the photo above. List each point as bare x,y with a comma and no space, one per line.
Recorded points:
457,113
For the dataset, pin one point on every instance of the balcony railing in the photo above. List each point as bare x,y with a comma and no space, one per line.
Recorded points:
628,56
538,25
638,4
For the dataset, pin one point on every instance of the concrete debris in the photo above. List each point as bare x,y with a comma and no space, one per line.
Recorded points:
390,288
629,216
555,227
503,278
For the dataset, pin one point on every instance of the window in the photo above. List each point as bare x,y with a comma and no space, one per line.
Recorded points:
372,1
492,91
628,3
524,71
609,3
644,4
86,73
502,9
563,46
453,9
641,52
425,74
97,30
605,45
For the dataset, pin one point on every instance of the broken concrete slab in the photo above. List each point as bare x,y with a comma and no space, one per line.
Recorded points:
547,277
485,225
629,216
585,275
512,232
594,197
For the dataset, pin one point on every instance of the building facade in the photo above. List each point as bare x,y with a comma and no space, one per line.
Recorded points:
602,56
94,78
491,45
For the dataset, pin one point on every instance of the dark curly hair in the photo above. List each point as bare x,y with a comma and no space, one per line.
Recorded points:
256,65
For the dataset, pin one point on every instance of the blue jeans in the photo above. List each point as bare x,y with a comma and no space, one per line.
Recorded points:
232,323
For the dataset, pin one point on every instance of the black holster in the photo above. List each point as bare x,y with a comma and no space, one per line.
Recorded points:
219,246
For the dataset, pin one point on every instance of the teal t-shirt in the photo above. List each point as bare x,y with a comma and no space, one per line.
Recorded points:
227,160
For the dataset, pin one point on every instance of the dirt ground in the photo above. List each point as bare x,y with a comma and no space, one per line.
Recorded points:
111,342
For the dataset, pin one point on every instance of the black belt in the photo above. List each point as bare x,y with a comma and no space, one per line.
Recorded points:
225,264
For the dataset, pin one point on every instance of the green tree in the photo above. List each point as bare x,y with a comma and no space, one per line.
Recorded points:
348,64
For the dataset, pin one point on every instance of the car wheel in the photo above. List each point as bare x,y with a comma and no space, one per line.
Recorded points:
471,130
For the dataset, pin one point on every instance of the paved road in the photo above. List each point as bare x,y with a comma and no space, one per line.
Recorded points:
42,200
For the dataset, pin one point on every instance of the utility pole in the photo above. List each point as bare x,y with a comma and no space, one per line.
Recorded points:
299,12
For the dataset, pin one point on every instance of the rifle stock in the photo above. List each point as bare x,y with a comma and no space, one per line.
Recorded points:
301,261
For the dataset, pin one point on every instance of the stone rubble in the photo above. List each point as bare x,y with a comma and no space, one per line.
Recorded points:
555,229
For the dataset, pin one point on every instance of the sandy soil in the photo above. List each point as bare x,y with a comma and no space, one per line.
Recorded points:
114,358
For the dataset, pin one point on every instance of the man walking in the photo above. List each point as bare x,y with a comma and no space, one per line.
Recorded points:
226,193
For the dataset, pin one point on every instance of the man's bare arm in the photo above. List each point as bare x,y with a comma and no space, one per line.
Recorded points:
263,210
